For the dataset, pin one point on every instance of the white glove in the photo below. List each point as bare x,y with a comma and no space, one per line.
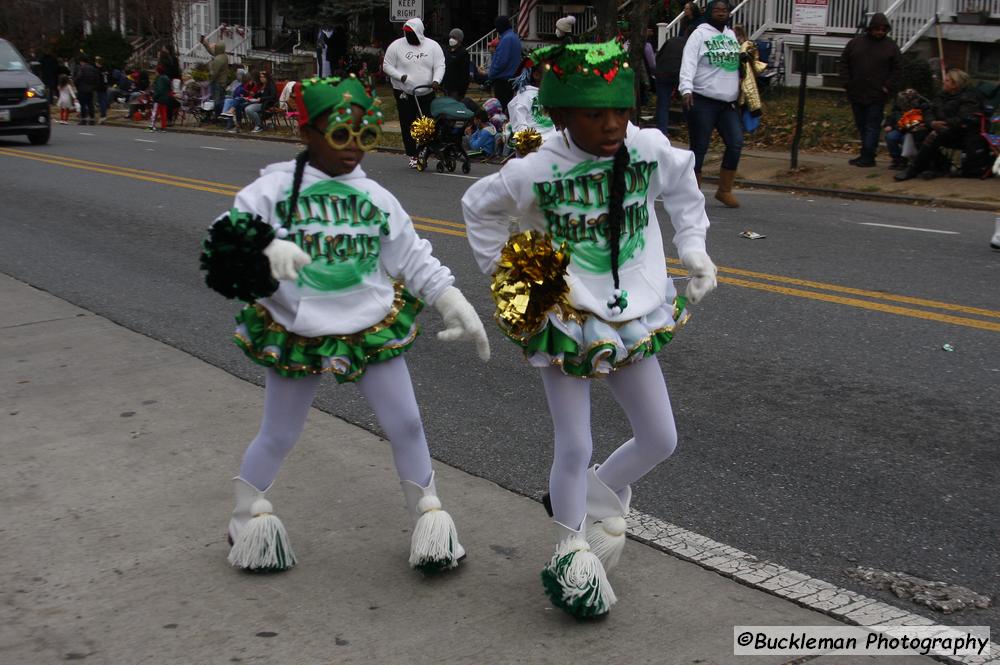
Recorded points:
702,272
461,321
286,259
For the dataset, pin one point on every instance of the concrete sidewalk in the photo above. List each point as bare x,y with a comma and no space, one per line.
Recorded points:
117,456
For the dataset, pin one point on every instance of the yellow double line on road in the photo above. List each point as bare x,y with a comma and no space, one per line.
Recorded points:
789,286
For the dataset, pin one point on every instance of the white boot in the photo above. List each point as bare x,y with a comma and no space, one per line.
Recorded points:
258,538
995,240
434,545
574,579
606,511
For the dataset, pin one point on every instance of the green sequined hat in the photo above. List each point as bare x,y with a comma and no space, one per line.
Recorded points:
585,76
316,96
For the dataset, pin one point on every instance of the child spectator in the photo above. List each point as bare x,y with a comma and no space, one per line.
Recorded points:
67,98
161,100
484,138
903,108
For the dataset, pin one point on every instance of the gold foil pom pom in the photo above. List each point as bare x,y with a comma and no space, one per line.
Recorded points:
527,141
529,281
422,130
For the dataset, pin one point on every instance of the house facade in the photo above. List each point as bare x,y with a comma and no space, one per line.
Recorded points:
966,32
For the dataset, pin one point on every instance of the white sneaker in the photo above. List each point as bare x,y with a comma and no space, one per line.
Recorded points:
413,162
256,130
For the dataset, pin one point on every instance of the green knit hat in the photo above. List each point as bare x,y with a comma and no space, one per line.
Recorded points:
316,96
591,76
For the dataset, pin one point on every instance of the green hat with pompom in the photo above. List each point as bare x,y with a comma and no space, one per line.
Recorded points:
316,96
585,76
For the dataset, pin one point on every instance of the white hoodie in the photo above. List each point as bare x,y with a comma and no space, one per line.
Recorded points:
710,66
360,239
563,191
422,65
525,112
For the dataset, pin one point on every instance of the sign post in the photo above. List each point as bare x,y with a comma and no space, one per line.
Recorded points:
808,18
401,11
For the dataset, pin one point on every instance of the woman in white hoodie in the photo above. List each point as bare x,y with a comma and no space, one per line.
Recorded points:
333,269
710,86
410,62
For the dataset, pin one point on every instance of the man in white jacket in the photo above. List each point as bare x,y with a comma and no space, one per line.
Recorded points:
412,63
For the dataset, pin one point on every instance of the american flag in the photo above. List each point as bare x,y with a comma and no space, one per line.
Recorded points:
524,16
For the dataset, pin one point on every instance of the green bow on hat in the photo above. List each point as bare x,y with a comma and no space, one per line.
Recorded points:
585,76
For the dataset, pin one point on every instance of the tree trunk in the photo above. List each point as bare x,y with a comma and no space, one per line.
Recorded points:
606,13
638,19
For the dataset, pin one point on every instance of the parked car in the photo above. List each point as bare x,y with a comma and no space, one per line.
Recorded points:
24,101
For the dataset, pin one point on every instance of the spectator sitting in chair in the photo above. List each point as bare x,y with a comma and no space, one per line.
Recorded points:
948,126
484,138
899,124
259,106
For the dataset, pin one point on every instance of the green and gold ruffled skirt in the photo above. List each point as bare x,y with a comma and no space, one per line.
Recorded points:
344,356
585,345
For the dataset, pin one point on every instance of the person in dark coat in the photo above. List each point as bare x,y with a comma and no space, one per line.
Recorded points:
871,67
506,60
101,91
668,73
86,81
456,68
50,73
951,123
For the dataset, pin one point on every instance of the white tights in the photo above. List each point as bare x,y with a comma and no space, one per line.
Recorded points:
641,391
387,388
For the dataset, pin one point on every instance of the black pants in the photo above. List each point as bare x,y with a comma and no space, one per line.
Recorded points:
503,90
86,105
930,155
406,106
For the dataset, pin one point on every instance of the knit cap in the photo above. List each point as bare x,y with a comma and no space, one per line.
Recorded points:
457,35
565,24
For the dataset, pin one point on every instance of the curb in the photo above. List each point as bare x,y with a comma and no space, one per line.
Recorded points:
866,196
750,184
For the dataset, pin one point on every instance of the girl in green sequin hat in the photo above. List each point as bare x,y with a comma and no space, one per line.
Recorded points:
334,275
584,292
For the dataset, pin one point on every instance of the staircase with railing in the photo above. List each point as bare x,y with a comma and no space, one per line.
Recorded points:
237,46
479,51
910,19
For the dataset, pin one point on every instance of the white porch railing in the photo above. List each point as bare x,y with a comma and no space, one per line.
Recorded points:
478,50
547,16
910,19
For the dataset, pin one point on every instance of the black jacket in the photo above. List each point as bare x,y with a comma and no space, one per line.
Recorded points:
268,96
86,79
456,72
668,58
955,108
871,69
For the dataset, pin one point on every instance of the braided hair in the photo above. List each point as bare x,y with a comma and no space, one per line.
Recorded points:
616,213
300,167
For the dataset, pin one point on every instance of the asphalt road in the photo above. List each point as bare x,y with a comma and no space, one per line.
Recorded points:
822,424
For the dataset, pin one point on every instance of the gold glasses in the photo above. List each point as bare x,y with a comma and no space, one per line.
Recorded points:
340,135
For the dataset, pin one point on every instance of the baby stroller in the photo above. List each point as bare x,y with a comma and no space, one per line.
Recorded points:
451,119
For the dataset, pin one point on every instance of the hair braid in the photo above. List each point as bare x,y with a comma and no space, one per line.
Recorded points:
300,167
616,207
